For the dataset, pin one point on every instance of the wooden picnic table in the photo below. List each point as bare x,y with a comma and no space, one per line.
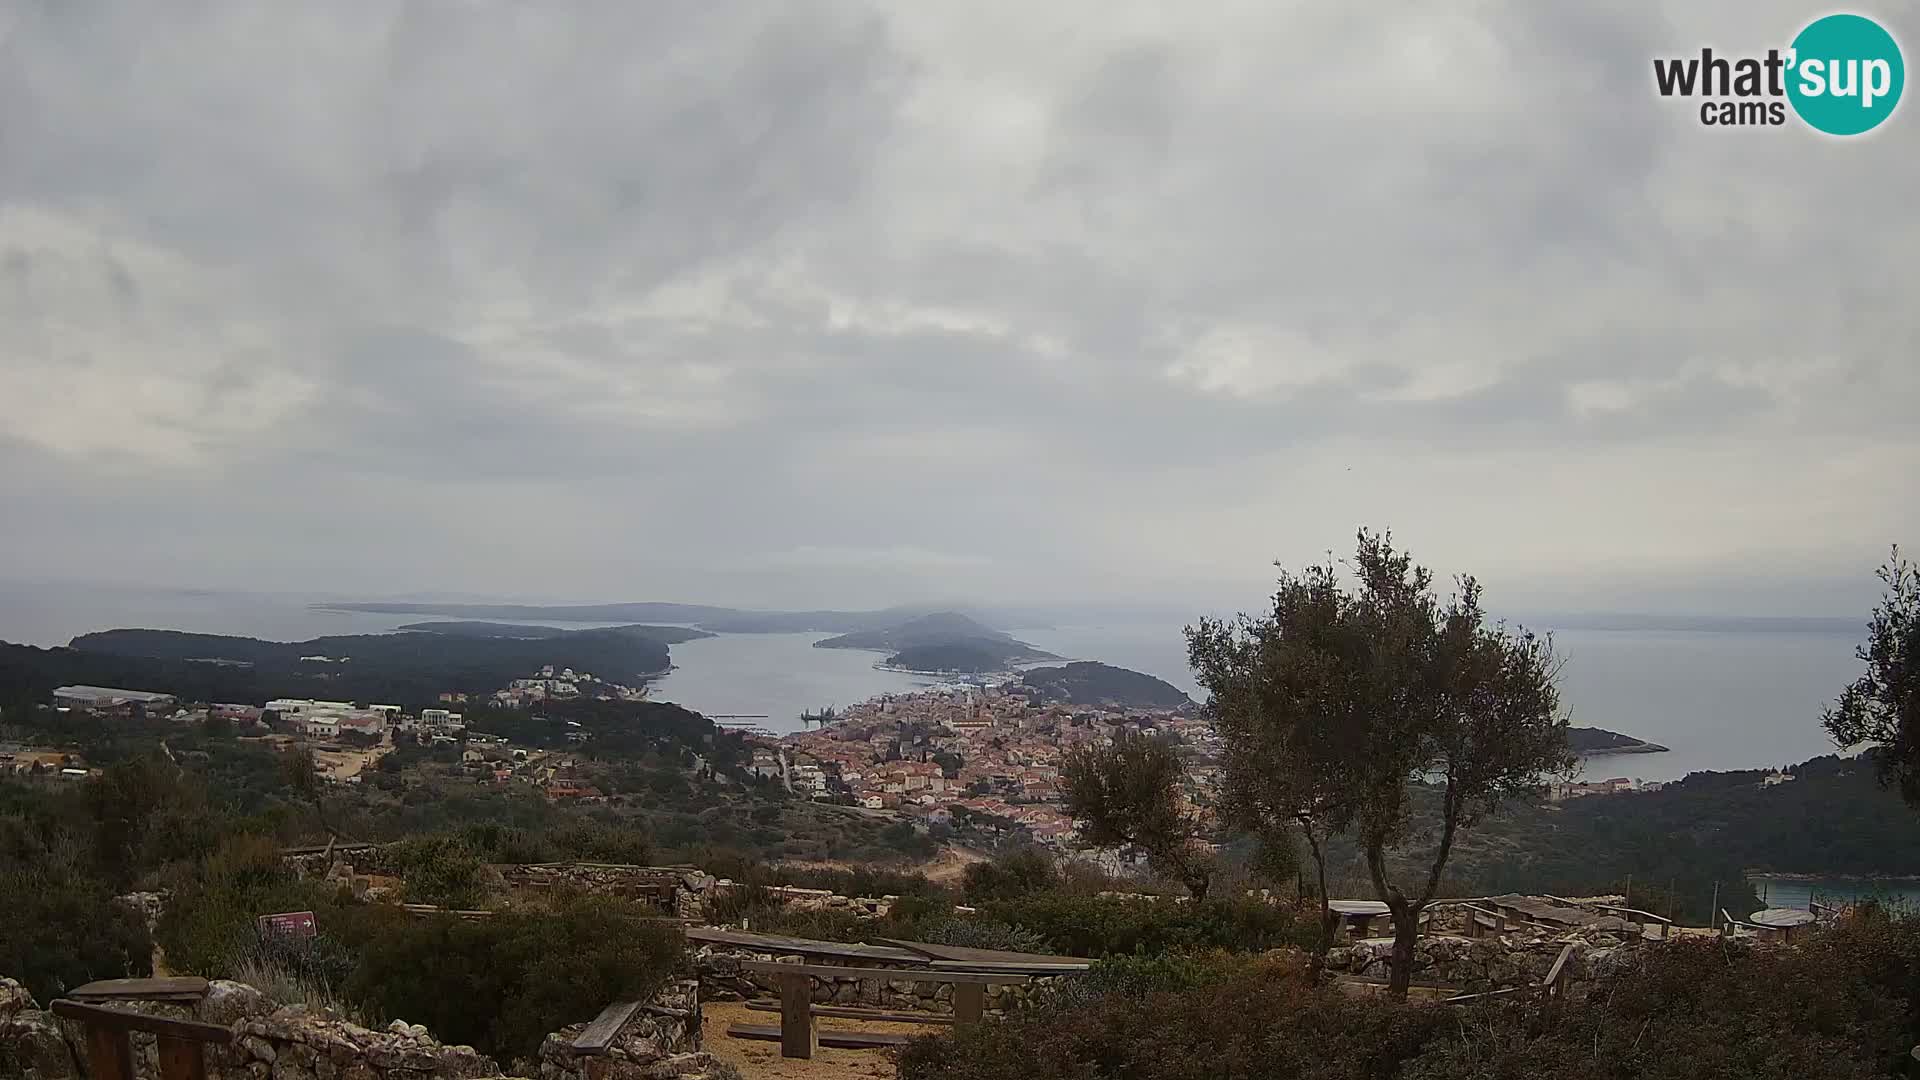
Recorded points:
798,1034
1358,915
1781,921
181,988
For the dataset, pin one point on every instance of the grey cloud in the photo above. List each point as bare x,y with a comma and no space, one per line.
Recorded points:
881,300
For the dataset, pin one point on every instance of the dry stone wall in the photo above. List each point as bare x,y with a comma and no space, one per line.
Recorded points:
32,1044
1494,962
662,1040
297,1043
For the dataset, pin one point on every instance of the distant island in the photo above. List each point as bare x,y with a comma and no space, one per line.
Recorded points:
941,643
1595,742
719,620
1086,682
953,658
406,669
666,635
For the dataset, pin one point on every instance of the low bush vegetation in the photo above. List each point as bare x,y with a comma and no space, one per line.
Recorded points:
1845,1006
1104,926
60,928
501,984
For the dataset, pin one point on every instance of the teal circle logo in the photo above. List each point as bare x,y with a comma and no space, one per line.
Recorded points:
1846,74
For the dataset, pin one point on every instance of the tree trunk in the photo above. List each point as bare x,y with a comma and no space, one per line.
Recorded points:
1197,884
1327,918
1406,934
1406,918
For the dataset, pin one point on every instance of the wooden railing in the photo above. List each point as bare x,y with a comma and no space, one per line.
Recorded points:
1640,918
181,1044
1730,925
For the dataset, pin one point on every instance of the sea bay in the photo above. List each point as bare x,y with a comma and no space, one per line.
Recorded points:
1719,699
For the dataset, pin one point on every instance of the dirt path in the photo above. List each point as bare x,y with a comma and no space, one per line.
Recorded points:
951,864
342,764
946,868
758,1060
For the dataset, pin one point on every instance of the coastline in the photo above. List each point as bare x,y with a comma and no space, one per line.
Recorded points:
984,676
1771,875
1610,751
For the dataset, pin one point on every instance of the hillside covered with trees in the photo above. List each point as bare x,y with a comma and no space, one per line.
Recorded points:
406,669
1086,682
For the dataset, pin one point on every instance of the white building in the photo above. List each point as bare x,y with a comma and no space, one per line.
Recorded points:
107,697
289,708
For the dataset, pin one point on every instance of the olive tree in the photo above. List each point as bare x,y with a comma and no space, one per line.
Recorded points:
1129,794
1340,701
1283,772
1882,707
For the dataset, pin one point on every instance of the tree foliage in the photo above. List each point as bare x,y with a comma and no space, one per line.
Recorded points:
439,869
1882,707
1338,703
60,926
1018,873
1129,794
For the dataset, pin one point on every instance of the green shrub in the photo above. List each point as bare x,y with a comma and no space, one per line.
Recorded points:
832,924
1096,926
979,934
60,928
209,926
501,984
1139,975
438,869
1010,877
1250,1024
600,841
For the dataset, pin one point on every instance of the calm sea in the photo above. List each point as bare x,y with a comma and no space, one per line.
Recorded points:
1715,699
1718,699
1797,892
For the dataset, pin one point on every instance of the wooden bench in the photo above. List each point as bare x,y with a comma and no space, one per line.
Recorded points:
850,1013
1481,921
799,1035
1731,927
597,1036
1640,919
181,1044
841,1040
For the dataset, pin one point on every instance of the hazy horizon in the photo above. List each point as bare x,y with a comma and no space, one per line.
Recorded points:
1011,617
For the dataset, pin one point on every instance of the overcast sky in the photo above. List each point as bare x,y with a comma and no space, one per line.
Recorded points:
820,304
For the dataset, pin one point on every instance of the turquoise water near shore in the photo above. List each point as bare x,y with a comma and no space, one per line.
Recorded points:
1797,892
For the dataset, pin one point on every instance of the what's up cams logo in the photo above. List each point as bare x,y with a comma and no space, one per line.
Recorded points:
1842,75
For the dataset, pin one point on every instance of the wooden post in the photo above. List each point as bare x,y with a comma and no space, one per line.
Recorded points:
798,1038
1712,911
969,1003
180,1059
109,1053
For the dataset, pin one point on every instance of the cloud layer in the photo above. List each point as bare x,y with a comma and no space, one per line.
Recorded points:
862,304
